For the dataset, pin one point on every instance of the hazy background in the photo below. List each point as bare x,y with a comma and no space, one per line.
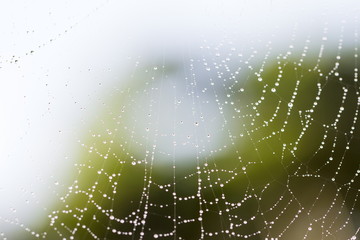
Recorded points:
59,59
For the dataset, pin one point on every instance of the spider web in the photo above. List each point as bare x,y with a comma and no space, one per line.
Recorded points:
232,143
221,146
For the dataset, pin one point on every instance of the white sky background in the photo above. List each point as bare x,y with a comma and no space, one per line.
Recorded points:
40,122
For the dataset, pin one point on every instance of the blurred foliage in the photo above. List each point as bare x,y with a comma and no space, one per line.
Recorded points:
282,160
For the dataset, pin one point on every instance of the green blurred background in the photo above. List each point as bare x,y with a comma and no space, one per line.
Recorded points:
287,165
